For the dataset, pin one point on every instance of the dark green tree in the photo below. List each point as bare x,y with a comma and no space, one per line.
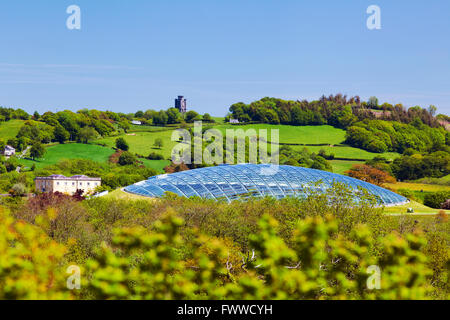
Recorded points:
61,134
158,143
122,144
127,158
37,151
87,134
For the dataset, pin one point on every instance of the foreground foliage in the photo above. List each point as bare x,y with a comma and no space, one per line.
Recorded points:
323,247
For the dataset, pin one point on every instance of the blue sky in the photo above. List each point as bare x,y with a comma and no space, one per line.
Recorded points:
132,55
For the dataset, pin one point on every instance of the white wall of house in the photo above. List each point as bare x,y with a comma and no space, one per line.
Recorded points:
66,186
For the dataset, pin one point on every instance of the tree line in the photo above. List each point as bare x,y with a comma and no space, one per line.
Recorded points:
395,128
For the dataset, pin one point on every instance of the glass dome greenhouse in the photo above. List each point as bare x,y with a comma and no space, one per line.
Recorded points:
239,182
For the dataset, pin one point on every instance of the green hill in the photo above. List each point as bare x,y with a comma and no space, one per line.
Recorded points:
314,138
97,153
60,152
10,129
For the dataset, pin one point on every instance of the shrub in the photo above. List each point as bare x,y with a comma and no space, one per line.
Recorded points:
18,190
436,199
155,156
31,268
151,268
158,143
370,174
127,158
122,144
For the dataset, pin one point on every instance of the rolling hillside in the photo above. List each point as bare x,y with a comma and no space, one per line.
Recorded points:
142,138
9,129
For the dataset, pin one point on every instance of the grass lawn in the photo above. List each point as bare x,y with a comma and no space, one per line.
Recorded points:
143,128
219,120
296,134
341,166
417,187
158,165
316,135
97,153
142,142
119,194
10,129
60,152
418,209
438,181
349,152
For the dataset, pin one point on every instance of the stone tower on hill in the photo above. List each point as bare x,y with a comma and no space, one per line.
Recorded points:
181,104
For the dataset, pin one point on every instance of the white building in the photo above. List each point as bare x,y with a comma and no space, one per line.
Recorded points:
136,122
234,121
60,183
9,151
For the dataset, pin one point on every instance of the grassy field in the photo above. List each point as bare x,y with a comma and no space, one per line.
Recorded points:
439,181
341,166
349,152
10,129
417,187
158,165
142,142
296,134
418,209
143,128
119,194
97,153
60,152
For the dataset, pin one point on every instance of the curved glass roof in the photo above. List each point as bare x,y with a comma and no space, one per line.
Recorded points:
234,182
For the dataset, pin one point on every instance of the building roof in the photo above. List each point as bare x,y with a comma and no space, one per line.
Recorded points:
61,177
242,181
9,148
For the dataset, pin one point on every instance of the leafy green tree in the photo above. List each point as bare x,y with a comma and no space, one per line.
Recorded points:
192,116
139,114
18,190
61,134
173,116
72,127
373,102
160,118
31,268
122,144
125,125
127,158
37,150
87,134
436,199
155,156
158,143
207,118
